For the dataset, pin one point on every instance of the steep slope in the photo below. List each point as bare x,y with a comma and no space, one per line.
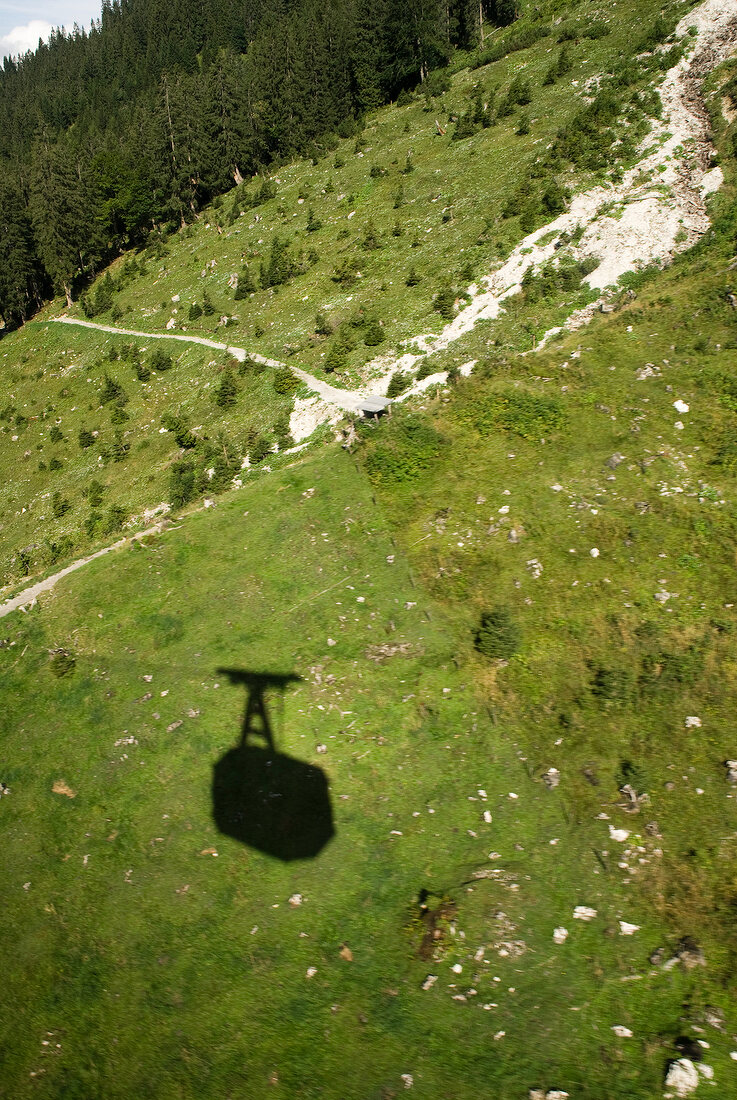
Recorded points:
511,607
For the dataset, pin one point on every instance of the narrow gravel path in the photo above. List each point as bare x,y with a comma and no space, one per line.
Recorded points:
344,399
28,595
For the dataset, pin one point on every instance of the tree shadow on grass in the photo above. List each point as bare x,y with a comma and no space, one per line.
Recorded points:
262,797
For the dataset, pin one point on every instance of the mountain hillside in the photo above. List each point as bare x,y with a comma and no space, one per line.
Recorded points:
484,643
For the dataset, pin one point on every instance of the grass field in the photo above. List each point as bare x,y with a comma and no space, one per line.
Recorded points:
477,800
130,931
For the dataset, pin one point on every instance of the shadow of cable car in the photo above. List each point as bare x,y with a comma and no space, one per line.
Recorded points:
262,797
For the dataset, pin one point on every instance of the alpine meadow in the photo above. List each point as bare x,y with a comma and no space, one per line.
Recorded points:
368,552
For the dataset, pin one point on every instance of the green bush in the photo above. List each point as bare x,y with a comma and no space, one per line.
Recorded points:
246,285
59,505
373,334
323,325
160,361
62,663
336,358
94,493
526,414
444,302
346,271
613,686
112,391
497,634
406,447
426,370
279,268
285,382
259,450
398,383
182,488
86,438
141,371
177,425
226,391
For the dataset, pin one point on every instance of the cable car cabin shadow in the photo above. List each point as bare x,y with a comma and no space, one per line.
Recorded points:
262,797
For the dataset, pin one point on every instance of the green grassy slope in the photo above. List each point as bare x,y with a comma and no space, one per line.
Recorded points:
459,210
158,966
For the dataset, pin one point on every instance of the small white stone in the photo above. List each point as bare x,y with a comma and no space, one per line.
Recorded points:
512,795
620,835
295,900
680,406
682,1077
408,1080
622,1032
705,1071
457,968
584,912
560,935
626,929
594,551
311,971
556,488
504,509
429,981
693,722
679,425
332,641
487,817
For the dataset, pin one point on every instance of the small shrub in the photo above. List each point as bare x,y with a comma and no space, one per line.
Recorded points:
444,302
195,311
62,663
285,382
94,493
160,361
59,505
346,271
182,486
373,334
529,415
398,383
177,425
141,371
336,358
86,438
226,391
259,450
323,325
113,520
246,285
112,391
497,635
405,448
